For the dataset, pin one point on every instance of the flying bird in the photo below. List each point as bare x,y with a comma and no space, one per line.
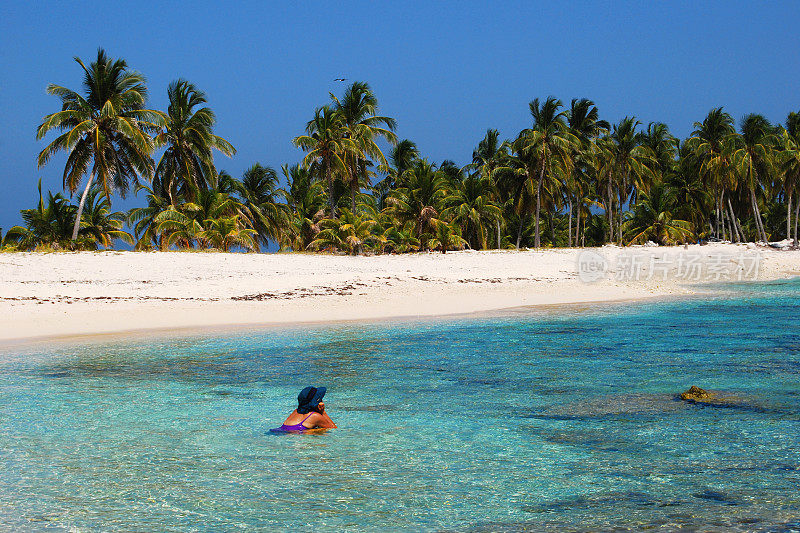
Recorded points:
340,79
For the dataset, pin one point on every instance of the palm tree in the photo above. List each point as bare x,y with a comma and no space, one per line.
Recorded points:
350,232
446,237
584,124
305,199
713,143
258,191
486,159
470,205
224,233
48,224
419,200
100,224
663,148
187,164
791,171
177,226
143,219
105,130
358,108
548,142
185,225
401,156
754,158
630,161
328,146
399,239
652,218
693,198
514,177
601,159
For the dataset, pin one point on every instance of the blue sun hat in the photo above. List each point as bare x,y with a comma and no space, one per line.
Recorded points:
309,399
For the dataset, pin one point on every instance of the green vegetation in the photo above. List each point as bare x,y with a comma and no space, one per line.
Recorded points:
570,179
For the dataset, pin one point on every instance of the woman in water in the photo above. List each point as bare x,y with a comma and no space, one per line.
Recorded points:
310,412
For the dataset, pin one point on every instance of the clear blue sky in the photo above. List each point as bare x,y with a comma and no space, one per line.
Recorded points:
446,71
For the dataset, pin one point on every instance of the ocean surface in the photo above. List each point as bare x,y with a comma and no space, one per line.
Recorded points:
556,420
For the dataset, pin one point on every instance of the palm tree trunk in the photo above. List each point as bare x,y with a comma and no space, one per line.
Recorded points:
80,206
497,222
619,219
536,240
757,214
735,223
789,215
610,214
329,179
796,217
569,230
519,232
726,223
354,187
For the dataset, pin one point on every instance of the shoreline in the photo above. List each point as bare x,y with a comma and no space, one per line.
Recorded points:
168,332
52,297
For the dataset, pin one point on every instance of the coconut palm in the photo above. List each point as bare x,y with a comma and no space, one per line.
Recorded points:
652,219
631,163
328,146
178,226
452,173
584,124
105,131
399,239
184,225
486,159
600,159
549,143
100,224
187,164
515,179
470,205
259,190
446,237
663,148
48,224
225,233
419,199
357,109
349,233
401,157
713,142
790,167
305,199
693,198
143,219
753,159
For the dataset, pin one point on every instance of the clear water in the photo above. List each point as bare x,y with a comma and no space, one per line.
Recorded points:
533,421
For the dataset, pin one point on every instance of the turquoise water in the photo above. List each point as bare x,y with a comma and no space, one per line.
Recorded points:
533,421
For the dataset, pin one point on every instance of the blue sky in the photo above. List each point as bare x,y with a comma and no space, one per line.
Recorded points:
446,71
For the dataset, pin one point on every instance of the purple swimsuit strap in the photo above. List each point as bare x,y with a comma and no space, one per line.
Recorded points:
296,427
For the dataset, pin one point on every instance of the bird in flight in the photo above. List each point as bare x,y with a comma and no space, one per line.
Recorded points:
340,79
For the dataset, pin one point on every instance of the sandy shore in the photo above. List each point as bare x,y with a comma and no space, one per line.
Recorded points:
64,294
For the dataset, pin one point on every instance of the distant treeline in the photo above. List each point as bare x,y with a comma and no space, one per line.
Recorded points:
571,179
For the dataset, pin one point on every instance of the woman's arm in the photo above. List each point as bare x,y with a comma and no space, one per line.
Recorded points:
324,420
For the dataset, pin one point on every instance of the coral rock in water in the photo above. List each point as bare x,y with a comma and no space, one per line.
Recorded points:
696,393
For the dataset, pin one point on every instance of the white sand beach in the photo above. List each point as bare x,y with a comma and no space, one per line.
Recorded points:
65,294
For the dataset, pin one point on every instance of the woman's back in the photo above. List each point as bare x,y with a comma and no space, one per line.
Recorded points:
310,412
299,422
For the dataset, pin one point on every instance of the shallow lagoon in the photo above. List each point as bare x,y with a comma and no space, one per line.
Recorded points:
561,420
